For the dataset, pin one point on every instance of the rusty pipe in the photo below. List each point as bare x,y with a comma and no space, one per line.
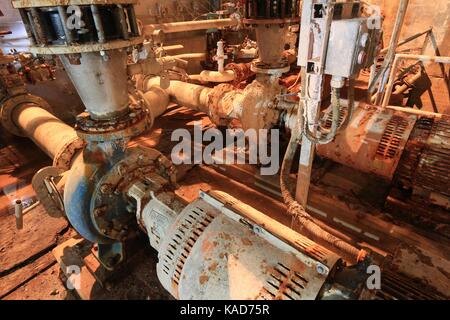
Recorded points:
47,131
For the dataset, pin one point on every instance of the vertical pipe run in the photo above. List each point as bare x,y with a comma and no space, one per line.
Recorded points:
63,16
122,22
98,23
18,212
26,23
38,26
384,71
132,18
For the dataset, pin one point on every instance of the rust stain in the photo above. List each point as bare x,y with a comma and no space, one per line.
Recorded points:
203,279
207,245
213,267
246,241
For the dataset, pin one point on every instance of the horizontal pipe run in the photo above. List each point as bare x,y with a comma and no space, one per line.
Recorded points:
214,76
188,95
186,56
173,27
47,131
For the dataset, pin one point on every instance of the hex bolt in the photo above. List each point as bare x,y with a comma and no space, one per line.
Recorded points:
105,188
98,212
321,270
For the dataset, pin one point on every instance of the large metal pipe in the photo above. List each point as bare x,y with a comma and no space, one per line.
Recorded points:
185,94
101,82
173,27
47,131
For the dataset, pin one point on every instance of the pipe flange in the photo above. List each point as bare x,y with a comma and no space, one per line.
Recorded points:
132,124
109,201
279,68
65,155
44,183
216,113
242,71
8,106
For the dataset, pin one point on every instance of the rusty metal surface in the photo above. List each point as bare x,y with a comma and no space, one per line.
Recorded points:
219,112
213,252
242,71
421,193
427,269
108,201
63,159
373,142
229,261
130,125
433,172
45,185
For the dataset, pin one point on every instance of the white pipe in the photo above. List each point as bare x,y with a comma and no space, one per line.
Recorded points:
173,27
214,76
189,95
185,56
220,56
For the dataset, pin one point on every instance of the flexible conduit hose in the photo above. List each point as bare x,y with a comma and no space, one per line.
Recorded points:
336,115
299,214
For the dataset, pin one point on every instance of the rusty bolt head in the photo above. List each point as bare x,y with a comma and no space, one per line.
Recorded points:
98,212
321,269
121,169
105,188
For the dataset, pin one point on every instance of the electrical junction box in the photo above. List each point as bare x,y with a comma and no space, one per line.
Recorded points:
353,39
352,47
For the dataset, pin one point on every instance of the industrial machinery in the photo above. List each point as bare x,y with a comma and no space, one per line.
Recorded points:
218,247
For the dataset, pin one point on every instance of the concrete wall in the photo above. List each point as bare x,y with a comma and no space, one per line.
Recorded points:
420,16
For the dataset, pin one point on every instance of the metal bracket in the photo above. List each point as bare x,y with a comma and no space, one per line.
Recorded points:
46,185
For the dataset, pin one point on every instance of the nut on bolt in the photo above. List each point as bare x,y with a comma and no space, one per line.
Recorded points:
105,188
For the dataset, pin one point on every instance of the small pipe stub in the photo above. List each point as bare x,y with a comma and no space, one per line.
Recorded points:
18,212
